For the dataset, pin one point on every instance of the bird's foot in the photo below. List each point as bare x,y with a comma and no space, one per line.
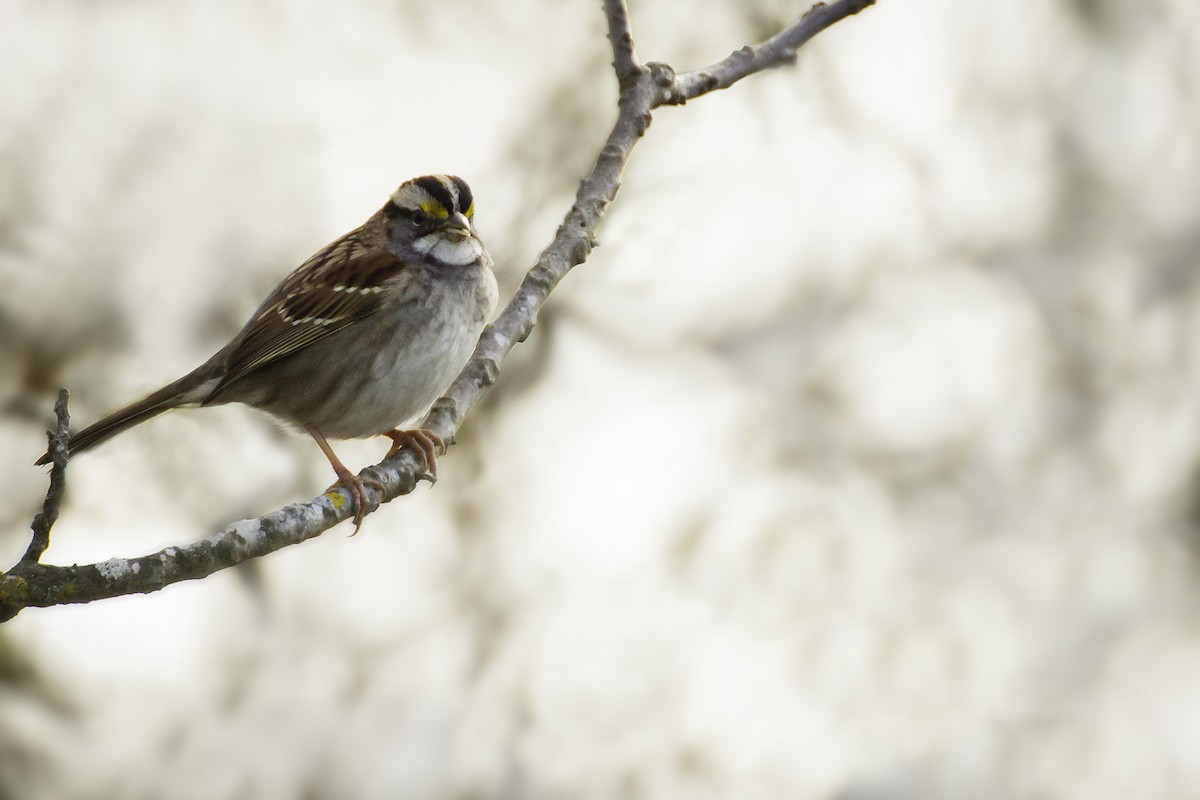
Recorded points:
427,444
356,487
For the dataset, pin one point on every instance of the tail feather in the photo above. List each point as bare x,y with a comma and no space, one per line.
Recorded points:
188,390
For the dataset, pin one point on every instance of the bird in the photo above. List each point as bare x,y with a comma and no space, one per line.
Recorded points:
358,340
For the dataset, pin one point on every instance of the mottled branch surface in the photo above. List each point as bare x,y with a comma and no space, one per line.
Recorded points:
643,88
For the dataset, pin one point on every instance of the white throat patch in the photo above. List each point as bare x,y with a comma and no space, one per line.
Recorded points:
457,253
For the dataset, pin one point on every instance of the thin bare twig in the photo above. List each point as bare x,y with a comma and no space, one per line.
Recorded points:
620,36
45,519
780,49
642,90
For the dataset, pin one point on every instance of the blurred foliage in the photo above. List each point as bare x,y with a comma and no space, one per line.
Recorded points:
859,461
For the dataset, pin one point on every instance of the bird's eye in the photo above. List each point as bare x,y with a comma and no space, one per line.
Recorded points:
419,217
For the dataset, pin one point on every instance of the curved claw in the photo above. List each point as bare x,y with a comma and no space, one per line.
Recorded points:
356,487
427,444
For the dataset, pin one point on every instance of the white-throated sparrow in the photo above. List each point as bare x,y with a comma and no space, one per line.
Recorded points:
359,339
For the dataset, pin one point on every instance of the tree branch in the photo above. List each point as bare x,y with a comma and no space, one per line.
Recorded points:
642,90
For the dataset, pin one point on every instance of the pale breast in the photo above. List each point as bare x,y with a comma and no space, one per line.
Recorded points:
383,371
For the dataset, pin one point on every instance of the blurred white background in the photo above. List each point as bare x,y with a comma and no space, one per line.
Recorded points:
859,462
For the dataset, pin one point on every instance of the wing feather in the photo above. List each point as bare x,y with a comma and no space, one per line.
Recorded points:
338,286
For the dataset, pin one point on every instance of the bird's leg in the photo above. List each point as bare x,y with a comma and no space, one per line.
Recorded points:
426,442
353,484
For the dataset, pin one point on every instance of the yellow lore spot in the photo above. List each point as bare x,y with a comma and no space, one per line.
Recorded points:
434,209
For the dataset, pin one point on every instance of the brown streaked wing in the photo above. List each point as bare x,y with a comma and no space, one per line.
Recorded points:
315,301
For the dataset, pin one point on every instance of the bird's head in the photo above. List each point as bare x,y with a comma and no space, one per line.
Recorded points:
434,215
